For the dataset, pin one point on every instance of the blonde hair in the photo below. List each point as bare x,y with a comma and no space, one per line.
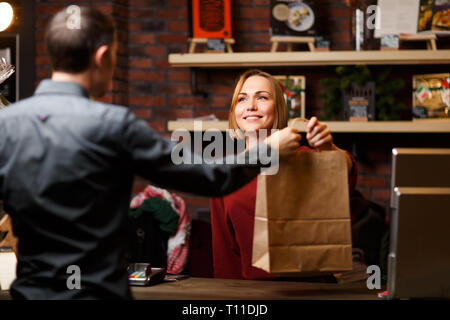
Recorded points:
280,119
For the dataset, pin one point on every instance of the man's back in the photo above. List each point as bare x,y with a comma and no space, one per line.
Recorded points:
66,171
67,166
66,183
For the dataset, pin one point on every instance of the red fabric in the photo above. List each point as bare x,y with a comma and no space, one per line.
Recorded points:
178,243
232,220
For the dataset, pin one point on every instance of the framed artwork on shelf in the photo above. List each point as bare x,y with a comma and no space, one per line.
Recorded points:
211,19
293,18
9,53
293,87
431,96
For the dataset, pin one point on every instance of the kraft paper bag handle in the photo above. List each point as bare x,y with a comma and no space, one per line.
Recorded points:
297,119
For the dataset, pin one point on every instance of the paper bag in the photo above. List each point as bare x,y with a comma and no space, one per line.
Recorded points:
302,217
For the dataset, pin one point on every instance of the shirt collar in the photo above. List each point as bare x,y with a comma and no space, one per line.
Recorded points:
48,86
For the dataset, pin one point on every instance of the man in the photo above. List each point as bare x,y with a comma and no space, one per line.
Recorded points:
67,165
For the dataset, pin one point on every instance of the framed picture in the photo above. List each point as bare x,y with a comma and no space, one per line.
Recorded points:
9,50
431,96
293,87
211,19
293,18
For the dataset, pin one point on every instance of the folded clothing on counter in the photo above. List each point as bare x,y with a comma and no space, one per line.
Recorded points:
178,242
161,210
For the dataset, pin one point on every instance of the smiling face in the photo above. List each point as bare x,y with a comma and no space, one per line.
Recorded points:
255,106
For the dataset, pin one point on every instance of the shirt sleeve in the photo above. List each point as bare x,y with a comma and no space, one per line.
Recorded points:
151,158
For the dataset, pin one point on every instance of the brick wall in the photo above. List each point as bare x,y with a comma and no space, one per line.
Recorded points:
149,30
118,9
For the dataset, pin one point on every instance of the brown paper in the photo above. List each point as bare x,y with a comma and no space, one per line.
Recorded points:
302,216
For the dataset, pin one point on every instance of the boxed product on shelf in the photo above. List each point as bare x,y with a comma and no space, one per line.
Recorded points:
431,96
359,102
293,18
294,93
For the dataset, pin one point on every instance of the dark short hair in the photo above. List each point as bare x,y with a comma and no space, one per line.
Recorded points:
71,48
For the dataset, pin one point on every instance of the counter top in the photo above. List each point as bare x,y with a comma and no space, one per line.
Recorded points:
227,289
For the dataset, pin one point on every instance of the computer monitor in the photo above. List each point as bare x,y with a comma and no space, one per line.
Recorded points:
419,254
415,167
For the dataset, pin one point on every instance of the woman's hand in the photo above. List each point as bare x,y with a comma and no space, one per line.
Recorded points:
318,135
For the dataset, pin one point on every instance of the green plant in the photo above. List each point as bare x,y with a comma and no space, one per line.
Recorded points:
386,106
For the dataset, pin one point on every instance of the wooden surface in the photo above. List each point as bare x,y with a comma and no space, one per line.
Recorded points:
438,126
417,37
6,226
4,295
290,40
432,126
194,41
225,289
271,59
429,38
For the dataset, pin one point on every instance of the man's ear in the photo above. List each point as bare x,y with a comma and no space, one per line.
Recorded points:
101,56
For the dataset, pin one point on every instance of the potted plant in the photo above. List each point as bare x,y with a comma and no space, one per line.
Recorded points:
386,106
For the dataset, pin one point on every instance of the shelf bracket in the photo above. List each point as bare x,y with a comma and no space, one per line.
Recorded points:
194,84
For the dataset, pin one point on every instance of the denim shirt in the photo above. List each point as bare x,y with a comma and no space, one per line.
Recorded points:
66,172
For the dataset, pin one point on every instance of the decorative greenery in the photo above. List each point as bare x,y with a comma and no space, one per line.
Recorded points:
386,107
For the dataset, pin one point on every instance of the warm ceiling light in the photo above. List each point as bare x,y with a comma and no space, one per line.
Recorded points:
6,15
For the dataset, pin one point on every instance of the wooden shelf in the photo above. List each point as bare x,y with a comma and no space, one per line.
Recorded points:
304,58
198,126
431,126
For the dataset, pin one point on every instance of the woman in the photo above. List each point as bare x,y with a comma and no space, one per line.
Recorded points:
257,103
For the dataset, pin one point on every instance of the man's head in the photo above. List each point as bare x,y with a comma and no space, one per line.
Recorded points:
87,47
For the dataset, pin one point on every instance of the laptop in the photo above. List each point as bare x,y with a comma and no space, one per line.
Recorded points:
419,254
